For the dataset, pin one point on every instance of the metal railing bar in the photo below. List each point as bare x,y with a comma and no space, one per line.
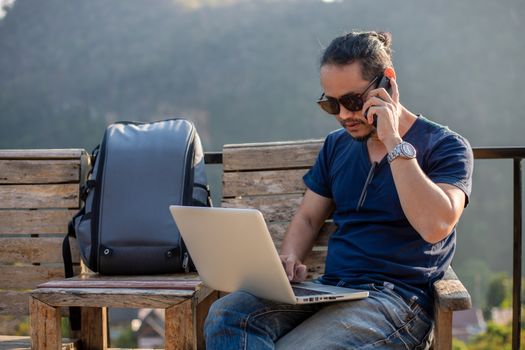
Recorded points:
498,152
213,157
516,257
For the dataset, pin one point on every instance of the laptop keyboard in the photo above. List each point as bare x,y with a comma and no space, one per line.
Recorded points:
302,292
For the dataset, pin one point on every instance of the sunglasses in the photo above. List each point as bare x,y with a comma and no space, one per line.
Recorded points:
352,102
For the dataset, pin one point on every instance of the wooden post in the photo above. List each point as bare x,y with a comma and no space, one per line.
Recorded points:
45,326
94,335
179,332
443,330
200,314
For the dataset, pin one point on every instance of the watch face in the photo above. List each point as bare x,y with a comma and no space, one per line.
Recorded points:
408,150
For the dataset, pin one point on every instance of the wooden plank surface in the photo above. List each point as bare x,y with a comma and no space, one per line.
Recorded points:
108,282
66,153
48,221
315,263
271,155
30,276
278,230
30,250
92,276
263,183
273,208
39,196
39,171
14,303
121,298
450,294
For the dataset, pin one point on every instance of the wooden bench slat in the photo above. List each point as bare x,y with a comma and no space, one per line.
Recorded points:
30,276
124,283
158,291
31,250
39,171
112,297
271,155
263,183
39,196
273,208
14,303
61,153
315,262
48,221
278,230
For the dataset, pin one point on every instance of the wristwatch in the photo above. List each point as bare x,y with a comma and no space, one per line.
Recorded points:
403,150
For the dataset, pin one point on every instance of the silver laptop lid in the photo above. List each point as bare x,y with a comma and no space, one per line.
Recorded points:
232,250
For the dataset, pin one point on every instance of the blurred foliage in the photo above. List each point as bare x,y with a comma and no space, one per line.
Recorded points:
499,293
496,337
247,71
476,274
22,327
458,344
126,339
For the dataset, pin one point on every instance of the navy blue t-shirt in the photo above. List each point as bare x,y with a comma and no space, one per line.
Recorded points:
376,243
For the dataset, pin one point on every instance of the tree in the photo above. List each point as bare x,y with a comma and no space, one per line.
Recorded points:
499,293
496,337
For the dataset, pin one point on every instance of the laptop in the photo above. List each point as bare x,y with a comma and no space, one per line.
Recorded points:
232,250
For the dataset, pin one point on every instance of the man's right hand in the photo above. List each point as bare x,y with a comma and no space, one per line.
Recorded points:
295,269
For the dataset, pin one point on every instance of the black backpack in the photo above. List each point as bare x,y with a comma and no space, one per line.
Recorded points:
139,169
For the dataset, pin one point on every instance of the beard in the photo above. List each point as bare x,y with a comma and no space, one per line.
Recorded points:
363,138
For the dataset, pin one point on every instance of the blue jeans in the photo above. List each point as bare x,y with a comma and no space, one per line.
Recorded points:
382,321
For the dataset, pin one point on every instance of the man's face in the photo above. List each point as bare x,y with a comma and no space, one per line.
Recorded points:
340,80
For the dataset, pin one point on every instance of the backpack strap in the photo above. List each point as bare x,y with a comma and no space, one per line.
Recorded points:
74,312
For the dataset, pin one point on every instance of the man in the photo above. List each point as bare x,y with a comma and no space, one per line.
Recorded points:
395,192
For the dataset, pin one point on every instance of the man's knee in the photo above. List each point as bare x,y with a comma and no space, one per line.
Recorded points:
229,311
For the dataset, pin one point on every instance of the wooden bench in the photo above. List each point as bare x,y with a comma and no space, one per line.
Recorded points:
183,297
268,177
39,193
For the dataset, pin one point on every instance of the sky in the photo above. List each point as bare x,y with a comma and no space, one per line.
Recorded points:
4,6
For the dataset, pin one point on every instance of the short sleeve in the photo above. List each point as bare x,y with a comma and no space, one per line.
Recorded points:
451,161
317,178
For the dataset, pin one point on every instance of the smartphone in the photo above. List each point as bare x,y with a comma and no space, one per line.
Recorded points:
385,84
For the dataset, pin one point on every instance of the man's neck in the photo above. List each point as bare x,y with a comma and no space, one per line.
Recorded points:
406,120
